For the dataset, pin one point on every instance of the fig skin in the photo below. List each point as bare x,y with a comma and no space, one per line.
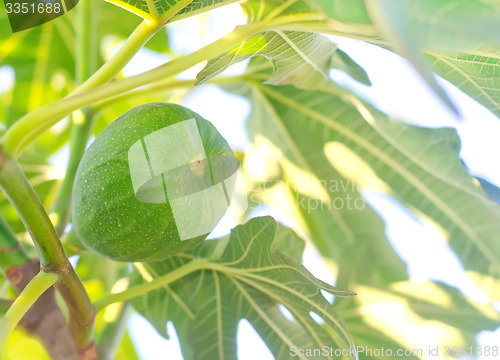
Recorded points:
107,217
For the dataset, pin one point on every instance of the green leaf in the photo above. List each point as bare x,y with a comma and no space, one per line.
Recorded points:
441,25
199,6
413,25
286,241
321,200
249,281
449,24
43,64
386,316
337,17
299,58
43,59
22,346
123,28
159,9
421,166
343,62
147,9
346,11
390,17
318,198
95,268
257,10
127,350
476,75
430,24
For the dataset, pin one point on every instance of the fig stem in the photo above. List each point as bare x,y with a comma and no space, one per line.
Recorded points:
88,78
27,129
139,37
146,287
53,259
82,122
36,287
108,71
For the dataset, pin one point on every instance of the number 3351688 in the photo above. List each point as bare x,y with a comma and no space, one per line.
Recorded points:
485,351
40,8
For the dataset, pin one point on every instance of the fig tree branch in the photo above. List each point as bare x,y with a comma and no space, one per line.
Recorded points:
113,66
53,259
30,127
110,69
87,48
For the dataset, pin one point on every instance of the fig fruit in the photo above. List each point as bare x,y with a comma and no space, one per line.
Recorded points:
154,183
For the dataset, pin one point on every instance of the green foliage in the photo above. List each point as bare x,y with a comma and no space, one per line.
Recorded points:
43,62
382,316
249,280
153,9
474,74
445,24
299,58
433,179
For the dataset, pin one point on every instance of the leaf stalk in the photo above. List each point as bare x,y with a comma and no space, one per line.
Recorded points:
30,127
36,287
146,287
